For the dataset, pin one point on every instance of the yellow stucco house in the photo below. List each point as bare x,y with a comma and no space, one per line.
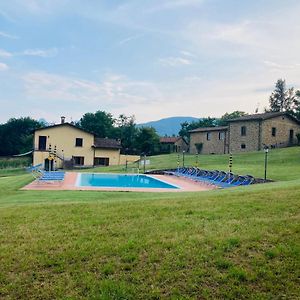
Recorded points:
66,146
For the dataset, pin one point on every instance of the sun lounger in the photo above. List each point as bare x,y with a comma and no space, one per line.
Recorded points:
52,176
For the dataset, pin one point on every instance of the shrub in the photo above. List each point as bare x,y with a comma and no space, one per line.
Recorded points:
16,162
199,147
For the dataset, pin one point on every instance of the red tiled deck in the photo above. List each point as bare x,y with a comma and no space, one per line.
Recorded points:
69,183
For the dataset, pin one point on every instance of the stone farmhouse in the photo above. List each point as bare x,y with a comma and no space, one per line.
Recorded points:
247,133
65,146
173,144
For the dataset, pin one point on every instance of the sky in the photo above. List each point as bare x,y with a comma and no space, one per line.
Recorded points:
148,58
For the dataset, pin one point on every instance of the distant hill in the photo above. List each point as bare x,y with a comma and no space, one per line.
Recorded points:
168,126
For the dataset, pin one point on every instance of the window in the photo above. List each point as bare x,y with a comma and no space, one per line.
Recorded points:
208,136
42,143
273,131
78,160
243,130
101,161
243,146
291,137
221,135
79,142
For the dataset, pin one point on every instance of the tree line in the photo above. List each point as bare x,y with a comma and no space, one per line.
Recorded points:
16,135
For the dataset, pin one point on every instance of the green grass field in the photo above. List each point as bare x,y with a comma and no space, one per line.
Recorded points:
240,243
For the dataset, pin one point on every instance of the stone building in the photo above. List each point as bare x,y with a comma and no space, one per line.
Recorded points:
173,144
214,140
247,133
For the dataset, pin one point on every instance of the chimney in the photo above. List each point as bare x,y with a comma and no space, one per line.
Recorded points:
62,120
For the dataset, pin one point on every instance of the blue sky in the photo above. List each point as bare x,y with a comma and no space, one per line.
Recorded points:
151,59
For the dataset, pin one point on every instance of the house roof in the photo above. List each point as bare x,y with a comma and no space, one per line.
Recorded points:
98,142
205,129
264,116
63,124
107,143
169,139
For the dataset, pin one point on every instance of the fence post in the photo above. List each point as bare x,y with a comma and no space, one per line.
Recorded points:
230,163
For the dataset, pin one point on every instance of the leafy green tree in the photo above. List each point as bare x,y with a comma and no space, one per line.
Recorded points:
281,98
184,131
146,140
205,122
126,130
296,105
16,135
99,123
229,116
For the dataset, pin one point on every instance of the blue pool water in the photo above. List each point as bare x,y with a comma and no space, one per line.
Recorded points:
120,180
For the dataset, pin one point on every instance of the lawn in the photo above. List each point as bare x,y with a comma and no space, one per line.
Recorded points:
283,164
222,244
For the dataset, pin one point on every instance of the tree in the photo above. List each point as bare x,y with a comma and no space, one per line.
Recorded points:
99,123
146,140
16,135
296,105
281,99
126,131
184,131
205,122
229,116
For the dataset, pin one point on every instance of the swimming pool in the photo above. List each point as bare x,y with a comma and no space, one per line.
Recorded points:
121,181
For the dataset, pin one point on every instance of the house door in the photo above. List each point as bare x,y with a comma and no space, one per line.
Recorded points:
48,164
291,137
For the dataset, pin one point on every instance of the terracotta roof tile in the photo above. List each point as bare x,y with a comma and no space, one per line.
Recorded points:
169,139
107,143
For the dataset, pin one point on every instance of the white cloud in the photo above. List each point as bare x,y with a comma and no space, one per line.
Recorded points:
131,38
37,6
31,52
40,52
174,4
188,54
4,53
3,67
268,36
174,61
7,35
114,91
279,66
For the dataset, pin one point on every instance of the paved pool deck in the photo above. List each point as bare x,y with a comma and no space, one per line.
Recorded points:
69,183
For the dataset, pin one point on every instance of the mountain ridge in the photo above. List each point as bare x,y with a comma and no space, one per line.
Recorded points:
168,126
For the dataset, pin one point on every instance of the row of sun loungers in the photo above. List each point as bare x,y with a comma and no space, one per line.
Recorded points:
52,176
45,176
219,178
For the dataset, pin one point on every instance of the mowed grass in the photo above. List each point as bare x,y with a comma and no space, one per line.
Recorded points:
222,244
283,164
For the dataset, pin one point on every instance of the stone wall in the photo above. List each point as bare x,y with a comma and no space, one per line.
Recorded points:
283,125
251,140
213,146
181,145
